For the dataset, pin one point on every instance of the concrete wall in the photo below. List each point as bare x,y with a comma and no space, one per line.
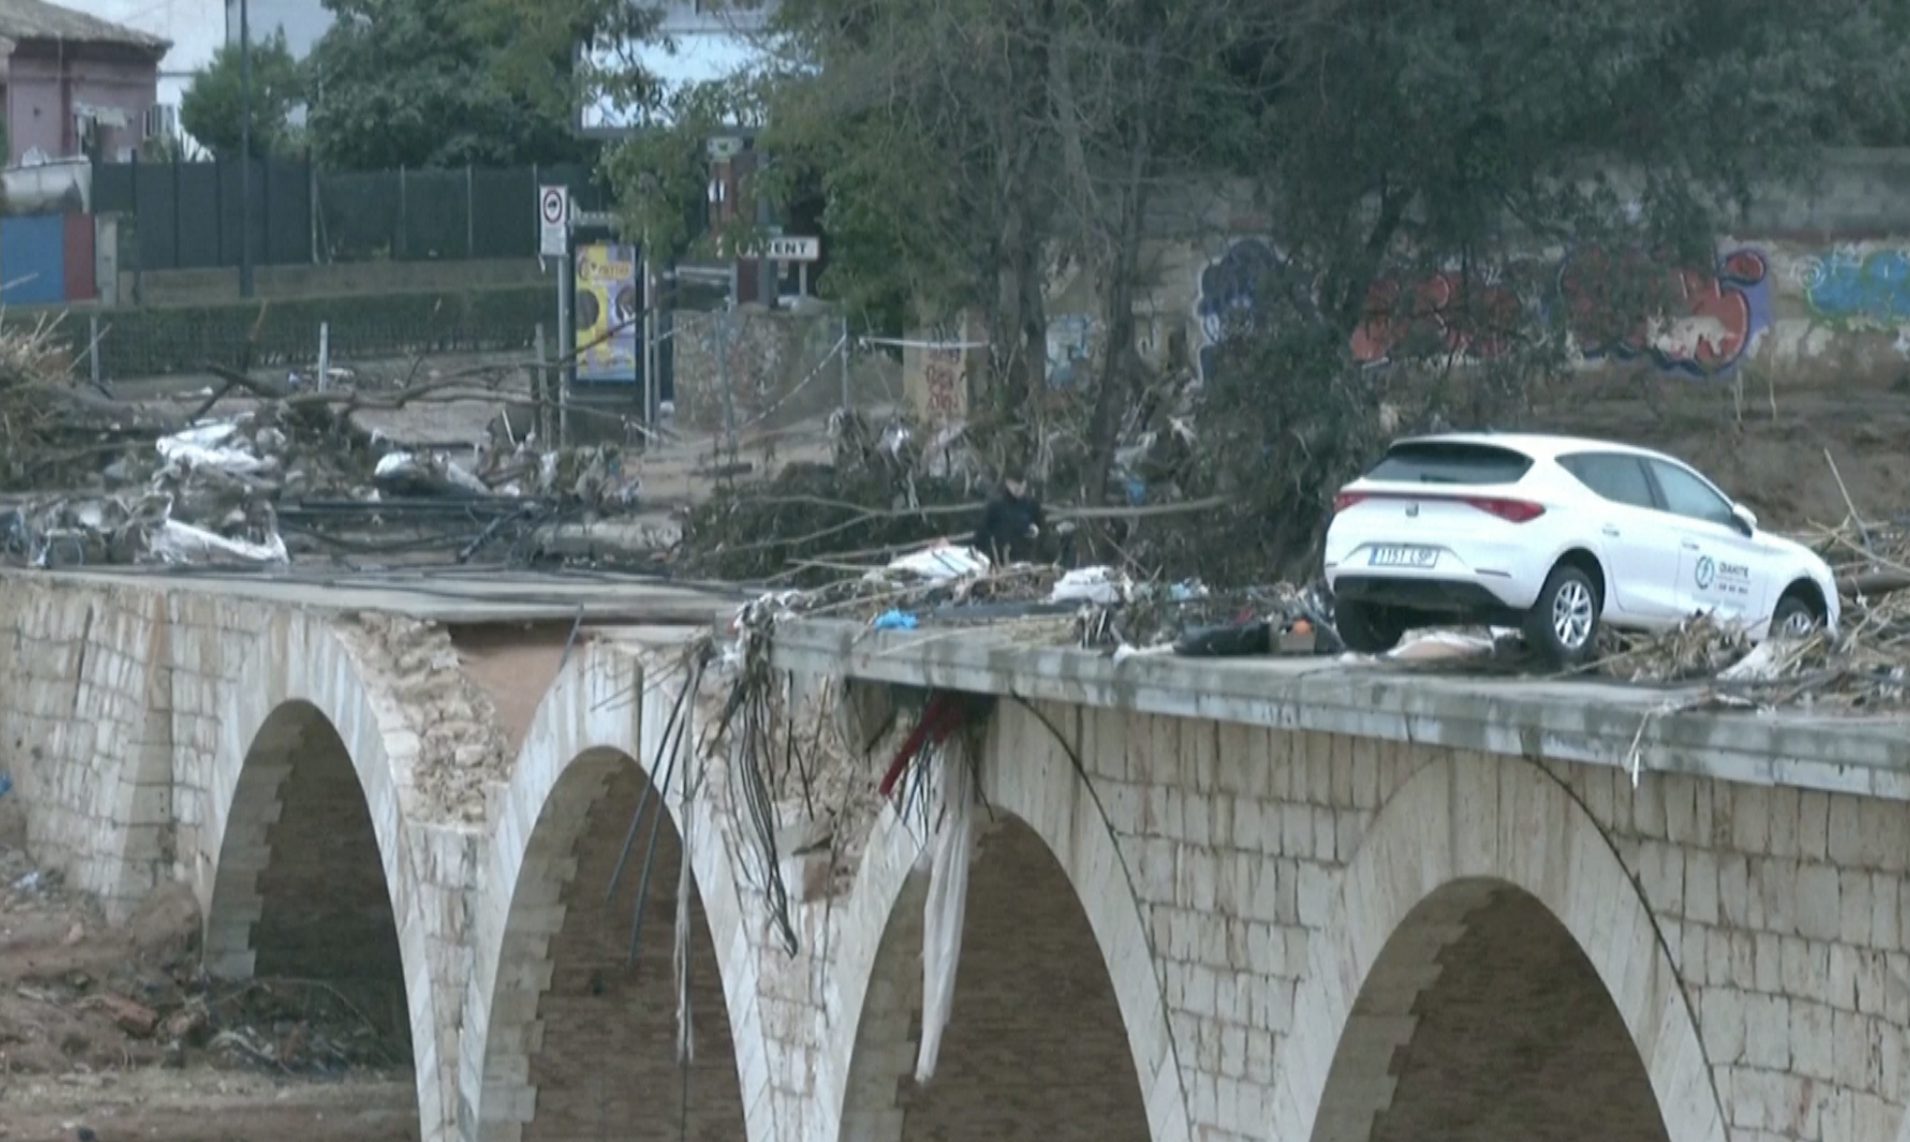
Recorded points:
1177,929
213,286
1809,287
1810,312
46,84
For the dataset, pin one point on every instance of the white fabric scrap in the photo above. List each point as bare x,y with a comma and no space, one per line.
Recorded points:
204,446
175,542
941,563
1101,585
943,913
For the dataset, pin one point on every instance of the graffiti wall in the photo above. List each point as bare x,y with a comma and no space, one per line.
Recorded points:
1854,284
1796,308
1069,349
1703,323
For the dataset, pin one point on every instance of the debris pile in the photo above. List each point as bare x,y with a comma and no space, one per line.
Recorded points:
96,480
1870,559
1864,666
78,995
811,521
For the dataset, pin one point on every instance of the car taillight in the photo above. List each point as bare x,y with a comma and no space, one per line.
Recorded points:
1512,511
1346,500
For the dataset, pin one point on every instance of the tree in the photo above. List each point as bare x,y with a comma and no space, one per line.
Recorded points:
1462,140
212,109
443,83
965,147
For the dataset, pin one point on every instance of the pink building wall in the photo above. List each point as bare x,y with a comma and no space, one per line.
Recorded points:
47,81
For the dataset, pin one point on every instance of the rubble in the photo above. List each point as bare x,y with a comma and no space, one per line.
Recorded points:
460,749
79,998
99,481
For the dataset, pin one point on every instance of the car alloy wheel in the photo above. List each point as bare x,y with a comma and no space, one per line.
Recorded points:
1572,614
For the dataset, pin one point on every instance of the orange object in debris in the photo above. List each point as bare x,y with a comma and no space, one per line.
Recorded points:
1301,626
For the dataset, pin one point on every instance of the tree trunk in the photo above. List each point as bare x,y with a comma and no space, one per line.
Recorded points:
1119,368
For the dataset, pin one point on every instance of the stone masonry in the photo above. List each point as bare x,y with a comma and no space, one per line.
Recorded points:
1179,928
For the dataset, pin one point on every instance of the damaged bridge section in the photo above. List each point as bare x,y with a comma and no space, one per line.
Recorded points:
615,859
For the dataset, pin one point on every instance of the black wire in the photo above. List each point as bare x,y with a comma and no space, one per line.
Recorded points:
674,751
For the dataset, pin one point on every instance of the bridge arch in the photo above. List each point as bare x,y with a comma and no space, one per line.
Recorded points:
303,865
1467,835
1048,837
541,937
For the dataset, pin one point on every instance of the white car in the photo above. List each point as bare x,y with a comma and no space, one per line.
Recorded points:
1555,535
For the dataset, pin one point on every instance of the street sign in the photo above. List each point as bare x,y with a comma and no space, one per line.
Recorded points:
792,249
553,221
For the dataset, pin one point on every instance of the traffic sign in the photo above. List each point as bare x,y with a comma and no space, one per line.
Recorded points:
793,249
553,221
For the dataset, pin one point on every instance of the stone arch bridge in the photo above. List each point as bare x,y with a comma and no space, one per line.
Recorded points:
1209,901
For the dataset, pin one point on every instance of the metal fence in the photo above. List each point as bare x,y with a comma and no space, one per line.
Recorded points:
156,341
744,374
192,215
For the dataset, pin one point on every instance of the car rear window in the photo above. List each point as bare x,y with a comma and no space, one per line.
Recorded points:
1450,463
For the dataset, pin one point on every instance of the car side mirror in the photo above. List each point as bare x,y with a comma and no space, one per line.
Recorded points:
1745,518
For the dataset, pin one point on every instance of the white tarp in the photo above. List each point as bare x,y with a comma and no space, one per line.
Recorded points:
1101,585
950,852
211,446
941,563
1430,645
431,469
175,542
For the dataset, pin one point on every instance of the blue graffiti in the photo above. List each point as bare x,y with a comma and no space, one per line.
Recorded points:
1068,349
1234,289
1849,285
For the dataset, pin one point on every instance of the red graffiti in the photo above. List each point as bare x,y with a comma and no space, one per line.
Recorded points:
1687,320
1442,316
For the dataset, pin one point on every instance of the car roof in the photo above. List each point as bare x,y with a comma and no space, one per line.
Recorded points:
1538,446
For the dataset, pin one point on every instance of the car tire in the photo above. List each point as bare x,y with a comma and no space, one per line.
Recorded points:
1562,626
1367,629
1790,609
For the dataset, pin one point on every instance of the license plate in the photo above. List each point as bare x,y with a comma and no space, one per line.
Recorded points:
1404,557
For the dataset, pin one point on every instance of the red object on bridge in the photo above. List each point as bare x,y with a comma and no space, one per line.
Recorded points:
940,718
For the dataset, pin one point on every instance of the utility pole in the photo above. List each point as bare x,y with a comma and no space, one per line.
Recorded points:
245,148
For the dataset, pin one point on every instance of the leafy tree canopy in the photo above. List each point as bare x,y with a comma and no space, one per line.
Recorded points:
445,83
212,109
966,148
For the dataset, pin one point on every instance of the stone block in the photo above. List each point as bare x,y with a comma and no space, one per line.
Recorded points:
1811,1037
1813,825
1767,1032
1819,903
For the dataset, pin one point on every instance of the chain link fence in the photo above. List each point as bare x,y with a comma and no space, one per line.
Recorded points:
748,373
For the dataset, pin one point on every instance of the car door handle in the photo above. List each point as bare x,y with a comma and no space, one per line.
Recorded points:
1608,529
1690,545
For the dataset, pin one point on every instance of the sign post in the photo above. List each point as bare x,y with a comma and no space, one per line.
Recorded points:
800,250
553,241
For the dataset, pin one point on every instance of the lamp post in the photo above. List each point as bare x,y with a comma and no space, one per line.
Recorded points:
245,148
